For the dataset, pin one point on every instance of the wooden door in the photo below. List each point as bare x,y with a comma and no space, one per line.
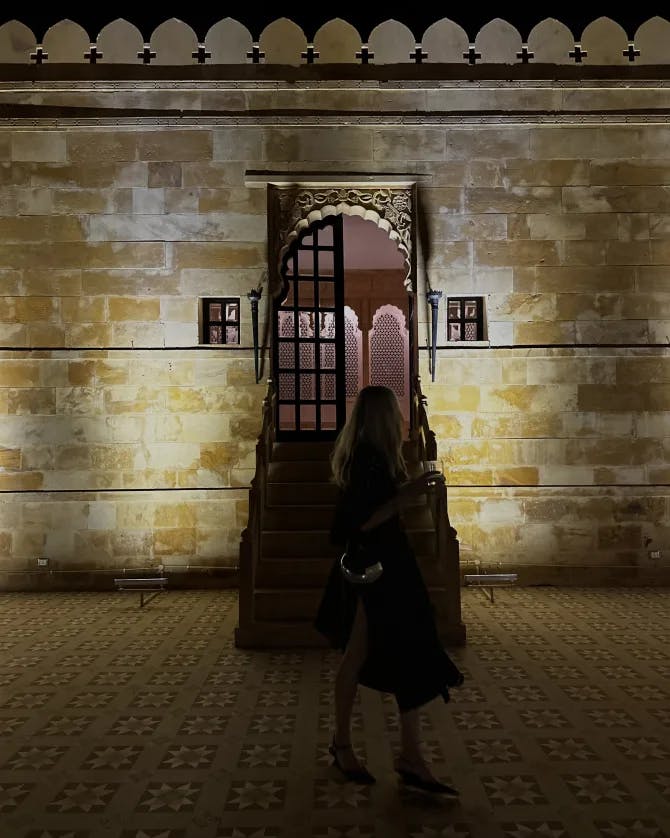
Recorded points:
309,335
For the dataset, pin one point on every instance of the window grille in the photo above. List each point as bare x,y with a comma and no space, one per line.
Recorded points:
465,318
221,320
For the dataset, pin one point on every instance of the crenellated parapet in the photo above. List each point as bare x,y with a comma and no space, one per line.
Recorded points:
282,42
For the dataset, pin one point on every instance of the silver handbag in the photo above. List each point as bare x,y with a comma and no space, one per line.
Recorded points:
356,566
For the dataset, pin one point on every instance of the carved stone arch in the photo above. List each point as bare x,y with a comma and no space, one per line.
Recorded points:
295,208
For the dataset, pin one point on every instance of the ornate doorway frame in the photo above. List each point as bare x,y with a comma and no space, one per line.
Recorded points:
294,207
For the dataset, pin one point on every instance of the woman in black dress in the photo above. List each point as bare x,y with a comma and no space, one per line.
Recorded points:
386,629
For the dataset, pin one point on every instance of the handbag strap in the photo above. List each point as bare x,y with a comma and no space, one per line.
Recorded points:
369,575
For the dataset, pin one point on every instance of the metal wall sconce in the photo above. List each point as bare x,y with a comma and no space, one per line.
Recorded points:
433,298
254,296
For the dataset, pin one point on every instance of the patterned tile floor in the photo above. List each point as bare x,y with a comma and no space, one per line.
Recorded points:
118,722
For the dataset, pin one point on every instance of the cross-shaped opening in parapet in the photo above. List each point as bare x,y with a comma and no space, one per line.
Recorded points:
310,54
93,55
631,53
472,55
146,55
365,55
256,55
418,56
578,53
201,54
525,55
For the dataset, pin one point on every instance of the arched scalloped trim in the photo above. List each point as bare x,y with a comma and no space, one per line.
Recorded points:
390,208
192,27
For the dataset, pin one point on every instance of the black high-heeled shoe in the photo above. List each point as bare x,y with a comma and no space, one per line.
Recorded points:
413,780
354,775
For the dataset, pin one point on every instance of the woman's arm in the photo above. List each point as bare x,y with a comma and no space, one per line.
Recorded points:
407,492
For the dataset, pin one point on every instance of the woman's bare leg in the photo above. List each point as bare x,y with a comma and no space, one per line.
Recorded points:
410,743
411,756
346,685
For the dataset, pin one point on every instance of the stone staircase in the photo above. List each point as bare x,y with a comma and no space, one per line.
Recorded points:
282,576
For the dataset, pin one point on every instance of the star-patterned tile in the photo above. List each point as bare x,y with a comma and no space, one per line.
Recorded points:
170,797
264,795
486,751
118,722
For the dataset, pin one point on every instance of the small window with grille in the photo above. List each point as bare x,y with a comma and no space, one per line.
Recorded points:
465,318
221,320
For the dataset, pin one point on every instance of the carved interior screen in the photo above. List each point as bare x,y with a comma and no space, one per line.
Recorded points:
353,357
309,335
389,353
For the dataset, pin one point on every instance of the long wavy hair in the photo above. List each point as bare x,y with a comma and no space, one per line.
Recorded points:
376,420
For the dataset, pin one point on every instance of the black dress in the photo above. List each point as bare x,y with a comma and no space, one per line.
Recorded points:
405,656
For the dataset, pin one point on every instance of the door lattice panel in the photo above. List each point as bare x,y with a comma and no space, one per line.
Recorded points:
309,359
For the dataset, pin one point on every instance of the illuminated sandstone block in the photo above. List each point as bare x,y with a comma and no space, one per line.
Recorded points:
174,515
38,146
83,310
216,255
315,144
174,541
112,146
130,308
516,199
517,252
172,145
88,334
10,458
237,144
40,400
400,144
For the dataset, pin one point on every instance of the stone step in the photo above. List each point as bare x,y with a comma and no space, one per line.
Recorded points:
316,544
292,573
297,634
301,634
300,517
291,451
320,451
310,449
291,545
285,604
296,493
309,573
299,471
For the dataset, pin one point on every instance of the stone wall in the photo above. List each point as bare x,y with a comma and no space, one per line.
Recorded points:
564,230
124,442
557,459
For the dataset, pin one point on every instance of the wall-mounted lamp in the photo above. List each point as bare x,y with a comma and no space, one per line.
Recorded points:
254,296
433,298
